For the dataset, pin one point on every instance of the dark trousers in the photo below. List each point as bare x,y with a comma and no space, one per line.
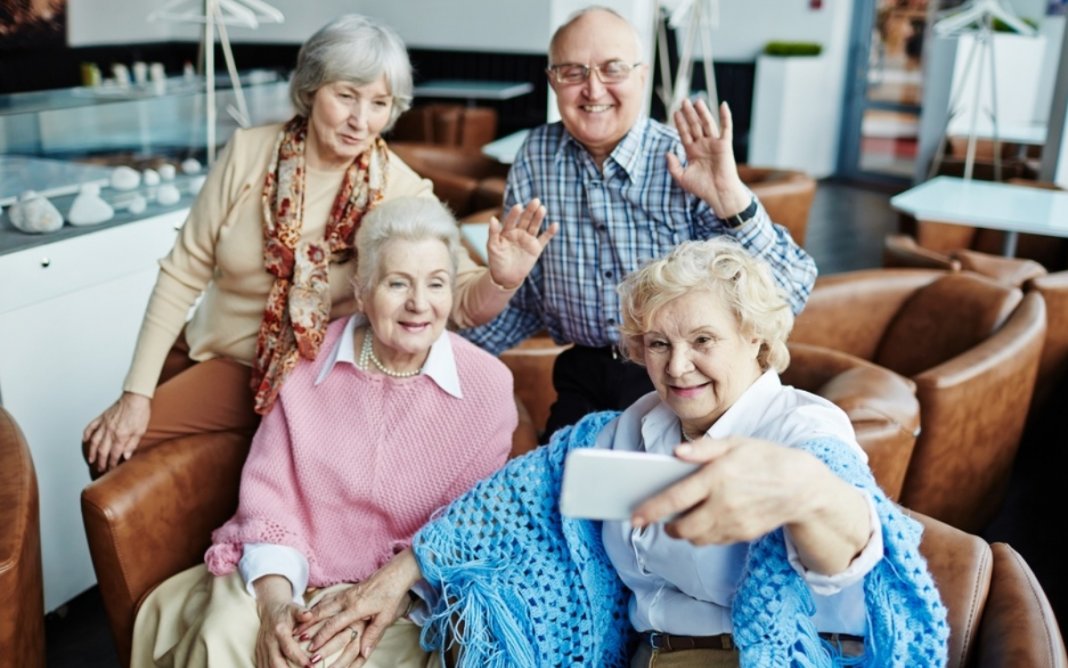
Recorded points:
593,379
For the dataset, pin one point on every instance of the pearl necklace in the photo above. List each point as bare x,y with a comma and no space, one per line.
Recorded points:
367,353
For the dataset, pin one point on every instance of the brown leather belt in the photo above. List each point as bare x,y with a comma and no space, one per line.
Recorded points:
663,642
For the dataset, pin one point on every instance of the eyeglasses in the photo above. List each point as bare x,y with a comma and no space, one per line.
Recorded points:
614,71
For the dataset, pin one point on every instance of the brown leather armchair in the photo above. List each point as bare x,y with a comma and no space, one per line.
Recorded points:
786,195
466,180
22,639
972,347
153,516
881,405
445,124
998,614
903,251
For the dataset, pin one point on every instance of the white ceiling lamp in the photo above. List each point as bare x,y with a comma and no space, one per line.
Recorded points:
219,14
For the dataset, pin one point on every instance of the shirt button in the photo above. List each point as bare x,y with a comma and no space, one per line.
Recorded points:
608,274
611,321
602,227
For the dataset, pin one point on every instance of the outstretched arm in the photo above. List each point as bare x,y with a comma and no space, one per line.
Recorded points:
748,487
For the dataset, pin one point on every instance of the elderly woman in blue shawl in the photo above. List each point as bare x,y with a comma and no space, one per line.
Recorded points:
783,551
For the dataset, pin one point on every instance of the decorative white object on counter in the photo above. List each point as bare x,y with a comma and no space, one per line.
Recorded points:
125,178
150,177
34,214
166,172
196,183
190,166
137,205
89,208
168,194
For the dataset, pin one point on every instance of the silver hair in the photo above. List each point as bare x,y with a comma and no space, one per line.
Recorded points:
724,267
407,218
571,20
358,50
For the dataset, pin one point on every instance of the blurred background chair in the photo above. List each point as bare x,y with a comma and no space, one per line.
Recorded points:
901,251
454,125
22,638
786,195
971,346
998,613
466,180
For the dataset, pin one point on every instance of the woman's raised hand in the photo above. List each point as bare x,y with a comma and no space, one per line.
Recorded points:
115,433
515,245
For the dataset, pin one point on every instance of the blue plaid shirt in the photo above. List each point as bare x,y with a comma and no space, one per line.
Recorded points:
611,222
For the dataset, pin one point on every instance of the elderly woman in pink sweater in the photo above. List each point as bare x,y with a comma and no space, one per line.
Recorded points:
395,420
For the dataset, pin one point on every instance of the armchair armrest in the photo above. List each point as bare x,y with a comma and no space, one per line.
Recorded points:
1018,626
974,408
153,516
881,405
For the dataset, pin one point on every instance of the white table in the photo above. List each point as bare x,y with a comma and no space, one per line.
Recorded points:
473,91
996,206
505,148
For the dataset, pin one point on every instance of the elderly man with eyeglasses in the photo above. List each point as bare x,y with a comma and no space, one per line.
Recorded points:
623,189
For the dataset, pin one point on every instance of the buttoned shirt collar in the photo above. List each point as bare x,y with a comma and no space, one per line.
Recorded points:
626,154
440,364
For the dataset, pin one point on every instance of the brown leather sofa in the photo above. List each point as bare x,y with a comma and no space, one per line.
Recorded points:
445,124
152,518
972,347
999,615
466,180
22,639
786,195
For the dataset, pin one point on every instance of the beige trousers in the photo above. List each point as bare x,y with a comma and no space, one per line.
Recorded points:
196,619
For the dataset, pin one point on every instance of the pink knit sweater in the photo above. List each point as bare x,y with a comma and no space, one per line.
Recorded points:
347,471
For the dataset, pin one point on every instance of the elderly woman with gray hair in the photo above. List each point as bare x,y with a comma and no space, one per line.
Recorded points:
267,250
779,549
394,420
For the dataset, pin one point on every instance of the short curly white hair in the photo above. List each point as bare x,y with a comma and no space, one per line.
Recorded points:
724,267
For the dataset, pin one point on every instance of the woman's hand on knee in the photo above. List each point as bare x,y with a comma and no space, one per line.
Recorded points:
275,645
115,433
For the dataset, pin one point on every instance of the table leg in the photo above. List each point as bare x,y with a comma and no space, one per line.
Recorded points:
1008,245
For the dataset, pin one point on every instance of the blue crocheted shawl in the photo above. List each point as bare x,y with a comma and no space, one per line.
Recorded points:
520,585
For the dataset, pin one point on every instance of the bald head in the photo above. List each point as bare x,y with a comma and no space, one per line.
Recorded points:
597,19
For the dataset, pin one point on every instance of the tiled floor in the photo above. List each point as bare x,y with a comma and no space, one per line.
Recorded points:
846,228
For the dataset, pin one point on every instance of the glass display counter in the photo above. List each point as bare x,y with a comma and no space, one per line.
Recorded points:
116,125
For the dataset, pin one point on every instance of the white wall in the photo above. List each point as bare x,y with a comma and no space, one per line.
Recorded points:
745,27
512,26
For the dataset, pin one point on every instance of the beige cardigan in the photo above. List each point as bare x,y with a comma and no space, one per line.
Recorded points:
218,258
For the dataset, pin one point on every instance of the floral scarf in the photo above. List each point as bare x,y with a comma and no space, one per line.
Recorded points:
298,306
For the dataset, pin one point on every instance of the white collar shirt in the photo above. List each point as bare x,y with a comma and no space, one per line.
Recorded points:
683,589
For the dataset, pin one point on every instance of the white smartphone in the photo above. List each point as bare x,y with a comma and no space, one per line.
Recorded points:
610,484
